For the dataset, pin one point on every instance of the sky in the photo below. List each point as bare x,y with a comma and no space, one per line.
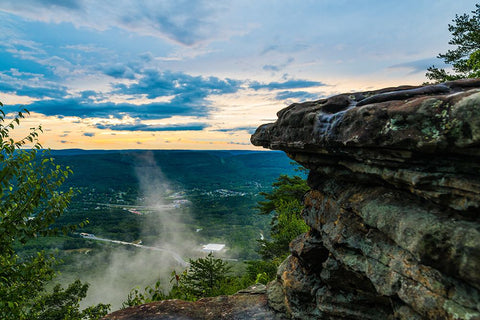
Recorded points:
179,74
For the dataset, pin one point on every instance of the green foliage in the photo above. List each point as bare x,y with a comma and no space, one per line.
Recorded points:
64,304
289,224
102,176
30,201
205,277
284,204
473,63
261,271
465,59
285,189
150,294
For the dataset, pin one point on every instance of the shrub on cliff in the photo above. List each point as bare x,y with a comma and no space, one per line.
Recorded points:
30,201
288,224
465,59
284,204
205,277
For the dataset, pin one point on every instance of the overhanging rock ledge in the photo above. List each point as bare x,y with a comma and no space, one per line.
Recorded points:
394,206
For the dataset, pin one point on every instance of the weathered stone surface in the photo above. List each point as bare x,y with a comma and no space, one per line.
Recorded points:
248,304
394,211
394,205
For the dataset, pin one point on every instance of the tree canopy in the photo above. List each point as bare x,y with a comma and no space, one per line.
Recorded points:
465,58
30,201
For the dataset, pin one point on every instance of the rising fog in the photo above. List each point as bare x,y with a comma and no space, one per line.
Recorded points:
125,267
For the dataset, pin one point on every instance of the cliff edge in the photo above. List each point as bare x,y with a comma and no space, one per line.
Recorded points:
394,211
248,304
394,205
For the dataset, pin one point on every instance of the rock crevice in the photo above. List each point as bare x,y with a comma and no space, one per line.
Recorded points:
394,205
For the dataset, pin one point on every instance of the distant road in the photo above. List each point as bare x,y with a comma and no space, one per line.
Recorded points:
175,255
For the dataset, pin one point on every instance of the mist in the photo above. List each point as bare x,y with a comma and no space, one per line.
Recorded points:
167,226
165,244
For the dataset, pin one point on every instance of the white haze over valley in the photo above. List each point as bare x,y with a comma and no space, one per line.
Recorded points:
139,267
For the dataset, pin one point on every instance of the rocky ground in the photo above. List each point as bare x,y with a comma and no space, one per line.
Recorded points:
248,304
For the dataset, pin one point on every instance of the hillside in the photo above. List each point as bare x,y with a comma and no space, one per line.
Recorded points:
173,200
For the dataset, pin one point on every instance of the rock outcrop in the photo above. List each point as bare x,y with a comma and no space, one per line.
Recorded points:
248,304
394,211
393,207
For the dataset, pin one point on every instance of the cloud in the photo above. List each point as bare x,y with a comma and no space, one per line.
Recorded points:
279,67
298,95
138,126
187,96
156,84
421,65
88,93
249,129
289,84
240,143
285,46
69,4
36,57
29,84
75,106
89,134
271,67
182,21
119,71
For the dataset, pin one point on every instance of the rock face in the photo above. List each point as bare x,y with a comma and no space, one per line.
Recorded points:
394,206
248,304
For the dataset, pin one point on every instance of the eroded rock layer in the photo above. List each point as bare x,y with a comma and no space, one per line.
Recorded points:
394,205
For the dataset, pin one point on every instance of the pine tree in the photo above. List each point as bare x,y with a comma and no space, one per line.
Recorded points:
465,59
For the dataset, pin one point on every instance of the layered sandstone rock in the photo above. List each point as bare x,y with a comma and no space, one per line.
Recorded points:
394,211
394,205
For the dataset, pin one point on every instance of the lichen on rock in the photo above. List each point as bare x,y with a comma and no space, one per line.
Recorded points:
393,209
394,206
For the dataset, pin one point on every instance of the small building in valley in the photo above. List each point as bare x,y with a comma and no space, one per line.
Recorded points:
213,247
